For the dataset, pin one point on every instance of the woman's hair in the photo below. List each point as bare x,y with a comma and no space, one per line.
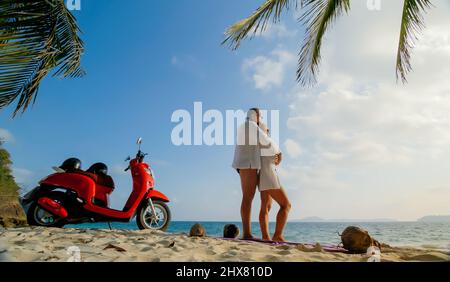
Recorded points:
264,127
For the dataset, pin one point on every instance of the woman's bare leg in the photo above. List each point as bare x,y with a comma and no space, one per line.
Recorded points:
279,195
266,205
249,180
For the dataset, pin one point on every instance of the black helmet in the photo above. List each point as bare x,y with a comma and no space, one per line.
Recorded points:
71,164
99,169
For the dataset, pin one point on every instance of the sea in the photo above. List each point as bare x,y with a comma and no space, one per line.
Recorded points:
427,235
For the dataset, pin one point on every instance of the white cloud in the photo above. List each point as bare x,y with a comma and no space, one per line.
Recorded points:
268,72
189,64
277,31
6,136
293,148
119,170
435,39
22,176
385,124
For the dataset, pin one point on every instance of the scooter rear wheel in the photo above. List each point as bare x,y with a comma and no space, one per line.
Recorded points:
37,216
147,220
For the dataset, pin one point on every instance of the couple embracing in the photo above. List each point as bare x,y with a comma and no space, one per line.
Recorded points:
255,159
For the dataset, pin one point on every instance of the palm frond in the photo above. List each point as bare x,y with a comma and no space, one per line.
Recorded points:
36,38
318,15
412,24
257,22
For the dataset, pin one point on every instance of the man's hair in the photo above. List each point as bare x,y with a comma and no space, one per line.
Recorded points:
257,110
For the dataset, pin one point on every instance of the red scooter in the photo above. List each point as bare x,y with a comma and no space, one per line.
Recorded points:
72,196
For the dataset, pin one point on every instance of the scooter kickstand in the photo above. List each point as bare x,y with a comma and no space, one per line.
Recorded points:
109,224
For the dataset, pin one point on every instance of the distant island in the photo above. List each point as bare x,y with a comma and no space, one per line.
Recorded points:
319,219
428,218
435,218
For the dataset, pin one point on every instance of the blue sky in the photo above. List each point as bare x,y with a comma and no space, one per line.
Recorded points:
144,61
355,135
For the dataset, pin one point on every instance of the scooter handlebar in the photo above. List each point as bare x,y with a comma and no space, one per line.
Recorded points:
139,156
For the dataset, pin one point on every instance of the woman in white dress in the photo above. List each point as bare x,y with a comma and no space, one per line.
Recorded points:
270,188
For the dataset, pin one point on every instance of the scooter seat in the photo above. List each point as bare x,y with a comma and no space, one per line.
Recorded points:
103,180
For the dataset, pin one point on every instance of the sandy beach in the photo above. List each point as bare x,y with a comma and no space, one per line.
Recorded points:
52,245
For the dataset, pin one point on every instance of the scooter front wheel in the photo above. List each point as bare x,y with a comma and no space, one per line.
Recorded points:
147,219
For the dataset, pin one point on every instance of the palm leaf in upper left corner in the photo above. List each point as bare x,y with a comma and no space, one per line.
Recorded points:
36,38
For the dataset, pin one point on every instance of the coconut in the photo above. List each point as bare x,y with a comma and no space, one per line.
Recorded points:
197,230
357,240
230,231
